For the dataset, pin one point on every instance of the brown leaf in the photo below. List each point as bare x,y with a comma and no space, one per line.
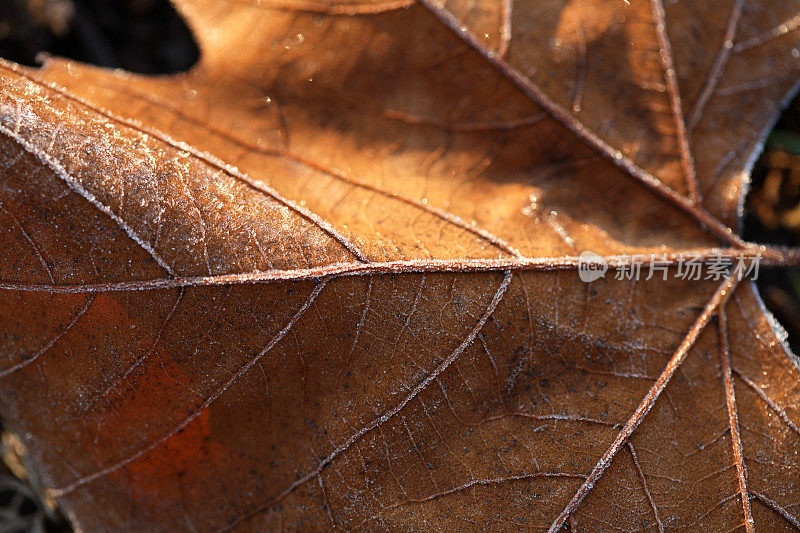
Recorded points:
327,277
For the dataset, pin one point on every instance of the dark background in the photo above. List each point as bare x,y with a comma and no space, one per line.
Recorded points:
148,36
145,36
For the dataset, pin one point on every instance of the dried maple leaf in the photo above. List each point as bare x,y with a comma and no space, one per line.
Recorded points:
373,320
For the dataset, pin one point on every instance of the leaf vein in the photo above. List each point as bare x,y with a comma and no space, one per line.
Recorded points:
83,480
380,420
